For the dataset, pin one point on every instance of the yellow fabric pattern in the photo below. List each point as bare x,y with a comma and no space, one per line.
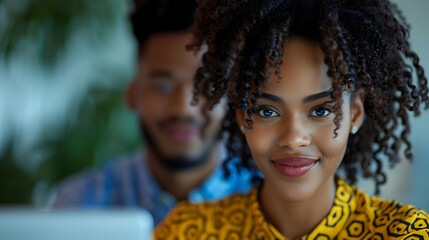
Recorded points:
354,215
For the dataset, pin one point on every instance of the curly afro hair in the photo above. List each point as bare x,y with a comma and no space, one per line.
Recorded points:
365,43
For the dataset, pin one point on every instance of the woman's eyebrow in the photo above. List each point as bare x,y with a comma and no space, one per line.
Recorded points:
307,99
317,96
271,97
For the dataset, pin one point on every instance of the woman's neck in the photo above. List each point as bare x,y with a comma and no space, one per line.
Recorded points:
295,219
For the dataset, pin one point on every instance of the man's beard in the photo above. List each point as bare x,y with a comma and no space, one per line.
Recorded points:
179,162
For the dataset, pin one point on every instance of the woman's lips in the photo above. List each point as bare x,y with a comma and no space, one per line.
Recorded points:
294,166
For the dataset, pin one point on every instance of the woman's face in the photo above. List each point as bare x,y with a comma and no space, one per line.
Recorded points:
292,137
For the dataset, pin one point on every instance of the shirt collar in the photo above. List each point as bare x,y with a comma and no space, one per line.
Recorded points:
213,188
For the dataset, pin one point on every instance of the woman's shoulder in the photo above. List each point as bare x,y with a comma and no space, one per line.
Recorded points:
393,219
405,213
189,219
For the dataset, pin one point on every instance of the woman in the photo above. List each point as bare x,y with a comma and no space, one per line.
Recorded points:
313,86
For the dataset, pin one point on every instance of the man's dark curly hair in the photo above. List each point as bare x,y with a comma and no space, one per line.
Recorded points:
365,43
157,16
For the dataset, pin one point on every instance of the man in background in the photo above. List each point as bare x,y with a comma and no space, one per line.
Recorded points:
182,158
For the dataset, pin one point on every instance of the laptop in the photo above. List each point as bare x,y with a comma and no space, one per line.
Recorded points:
31,224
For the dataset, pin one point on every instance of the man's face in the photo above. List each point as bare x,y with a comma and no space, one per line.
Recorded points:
162,95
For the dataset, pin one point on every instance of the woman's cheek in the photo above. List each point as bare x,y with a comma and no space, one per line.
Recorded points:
331,146
260,141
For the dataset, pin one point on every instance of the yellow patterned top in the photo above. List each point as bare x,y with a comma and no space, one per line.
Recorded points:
354,215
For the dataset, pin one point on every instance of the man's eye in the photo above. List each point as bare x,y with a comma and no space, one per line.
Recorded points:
165,87
321,112
266,113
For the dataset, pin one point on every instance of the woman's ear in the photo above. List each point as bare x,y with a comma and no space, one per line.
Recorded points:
357,111
130,95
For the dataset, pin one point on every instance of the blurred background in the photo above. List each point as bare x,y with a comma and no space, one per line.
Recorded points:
63,69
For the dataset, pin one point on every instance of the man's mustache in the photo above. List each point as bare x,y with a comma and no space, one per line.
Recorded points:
190,121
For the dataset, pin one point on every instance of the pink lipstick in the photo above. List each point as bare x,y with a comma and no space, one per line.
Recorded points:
294,166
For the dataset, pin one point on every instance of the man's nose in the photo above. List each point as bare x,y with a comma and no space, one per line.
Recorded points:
181,100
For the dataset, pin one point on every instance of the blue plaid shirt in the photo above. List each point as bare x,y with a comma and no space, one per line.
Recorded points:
127,182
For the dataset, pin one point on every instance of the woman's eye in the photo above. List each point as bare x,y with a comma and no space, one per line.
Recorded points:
266,113
321,112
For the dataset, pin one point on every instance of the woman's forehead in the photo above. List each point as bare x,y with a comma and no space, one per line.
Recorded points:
303,69
303,49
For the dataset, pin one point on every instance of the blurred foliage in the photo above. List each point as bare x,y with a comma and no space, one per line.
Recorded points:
103,129
16,184
50,22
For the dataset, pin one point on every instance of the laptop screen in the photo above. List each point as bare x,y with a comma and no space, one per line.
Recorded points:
25,224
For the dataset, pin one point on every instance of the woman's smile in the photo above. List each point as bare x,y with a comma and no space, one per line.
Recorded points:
295,166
